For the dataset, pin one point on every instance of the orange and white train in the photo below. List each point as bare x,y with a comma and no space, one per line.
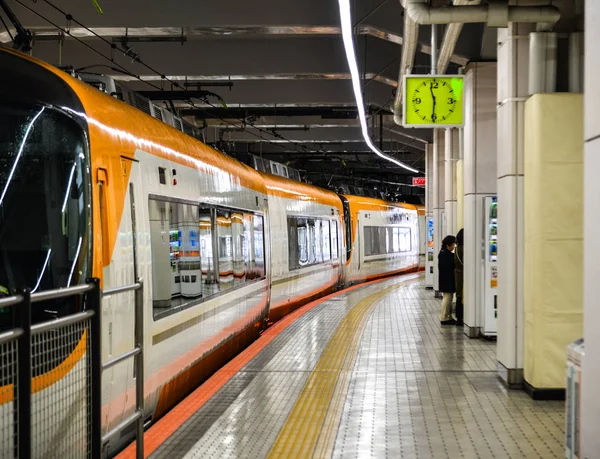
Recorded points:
93,187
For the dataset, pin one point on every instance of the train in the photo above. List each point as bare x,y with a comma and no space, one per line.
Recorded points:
92,187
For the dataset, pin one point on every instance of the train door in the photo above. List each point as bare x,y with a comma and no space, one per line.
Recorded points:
119,309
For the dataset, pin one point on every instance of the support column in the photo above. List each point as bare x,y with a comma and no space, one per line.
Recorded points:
429,250
460,181
439,225
450,159
513,61
590,402
480,133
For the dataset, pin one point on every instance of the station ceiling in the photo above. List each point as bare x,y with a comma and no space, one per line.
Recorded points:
278,72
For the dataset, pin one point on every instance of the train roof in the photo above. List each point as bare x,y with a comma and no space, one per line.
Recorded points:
364,203
292,189
118,129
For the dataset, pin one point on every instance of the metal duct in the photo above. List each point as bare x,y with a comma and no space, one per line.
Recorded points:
409,47
418,12
576,62
450,38
494,14
542,62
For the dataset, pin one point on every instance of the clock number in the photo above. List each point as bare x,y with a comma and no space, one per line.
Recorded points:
417,100
433,117
434,85
451,101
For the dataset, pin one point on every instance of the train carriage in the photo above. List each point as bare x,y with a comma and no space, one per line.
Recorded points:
93,187
383,236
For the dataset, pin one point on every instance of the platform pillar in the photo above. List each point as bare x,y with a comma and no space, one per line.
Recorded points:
590,402
450,158
429,253
513,62
479,182
439,217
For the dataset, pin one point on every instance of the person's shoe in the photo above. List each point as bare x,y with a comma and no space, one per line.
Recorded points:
448,322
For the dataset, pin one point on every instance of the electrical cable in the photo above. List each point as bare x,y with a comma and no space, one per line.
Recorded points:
174,83
138,60
153,70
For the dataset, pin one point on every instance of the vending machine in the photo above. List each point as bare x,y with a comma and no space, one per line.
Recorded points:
490,266
429,255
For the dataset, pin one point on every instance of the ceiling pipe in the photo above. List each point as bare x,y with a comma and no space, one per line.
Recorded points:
451,38
418,12
495,14
409,47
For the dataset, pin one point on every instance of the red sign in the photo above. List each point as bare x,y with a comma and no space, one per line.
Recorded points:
418,181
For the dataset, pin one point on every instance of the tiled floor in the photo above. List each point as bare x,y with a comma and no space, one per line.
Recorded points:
414,390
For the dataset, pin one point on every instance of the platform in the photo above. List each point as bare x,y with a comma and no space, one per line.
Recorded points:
366,373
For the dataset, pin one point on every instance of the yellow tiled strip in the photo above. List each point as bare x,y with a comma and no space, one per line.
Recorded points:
311,427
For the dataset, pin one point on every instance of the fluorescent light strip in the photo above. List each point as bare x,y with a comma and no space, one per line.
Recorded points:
346,20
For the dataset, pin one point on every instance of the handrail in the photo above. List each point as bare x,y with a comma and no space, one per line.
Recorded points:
60,293
10,335
61,322
24,331
125,288
11,301
127,422
126,355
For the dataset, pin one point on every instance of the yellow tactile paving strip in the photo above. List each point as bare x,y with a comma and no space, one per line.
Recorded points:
312,426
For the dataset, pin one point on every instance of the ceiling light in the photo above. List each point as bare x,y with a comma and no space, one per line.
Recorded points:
346,21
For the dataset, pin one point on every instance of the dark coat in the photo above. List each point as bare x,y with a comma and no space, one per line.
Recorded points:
446,271
458,269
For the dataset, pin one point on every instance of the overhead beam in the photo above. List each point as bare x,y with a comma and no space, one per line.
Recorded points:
186,33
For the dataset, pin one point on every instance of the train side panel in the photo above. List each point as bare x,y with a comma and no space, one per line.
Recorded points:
306,238
385,239
181,332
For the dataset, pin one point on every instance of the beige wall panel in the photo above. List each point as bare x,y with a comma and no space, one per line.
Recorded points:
553,234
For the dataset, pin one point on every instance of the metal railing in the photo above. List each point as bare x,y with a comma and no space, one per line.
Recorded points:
138,354
47,346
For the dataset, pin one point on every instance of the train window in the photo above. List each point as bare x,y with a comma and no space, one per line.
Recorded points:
239,256
325,231
348,226
199,251
381,240
318,246
45,221
395,239
311,241
303,242
225,247
404,237
259,246
334,240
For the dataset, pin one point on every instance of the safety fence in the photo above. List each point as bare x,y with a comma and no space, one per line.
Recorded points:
51,376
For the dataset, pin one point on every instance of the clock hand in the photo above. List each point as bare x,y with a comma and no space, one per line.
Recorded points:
433,97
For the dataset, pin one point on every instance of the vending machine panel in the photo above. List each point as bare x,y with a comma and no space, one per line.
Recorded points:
490,266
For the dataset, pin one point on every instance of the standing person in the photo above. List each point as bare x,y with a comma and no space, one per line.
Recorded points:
446,273
458,276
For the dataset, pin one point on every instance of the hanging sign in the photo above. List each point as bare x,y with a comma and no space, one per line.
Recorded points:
432,101
418,181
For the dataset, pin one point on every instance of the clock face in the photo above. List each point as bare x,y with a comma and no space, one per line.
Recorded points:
433,100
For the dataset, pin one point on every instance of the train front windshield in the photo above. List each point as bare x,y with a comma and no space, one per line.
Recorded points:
45,214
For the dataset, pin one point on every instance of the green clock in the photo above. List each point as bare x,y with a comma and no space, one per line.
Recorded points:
433,101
